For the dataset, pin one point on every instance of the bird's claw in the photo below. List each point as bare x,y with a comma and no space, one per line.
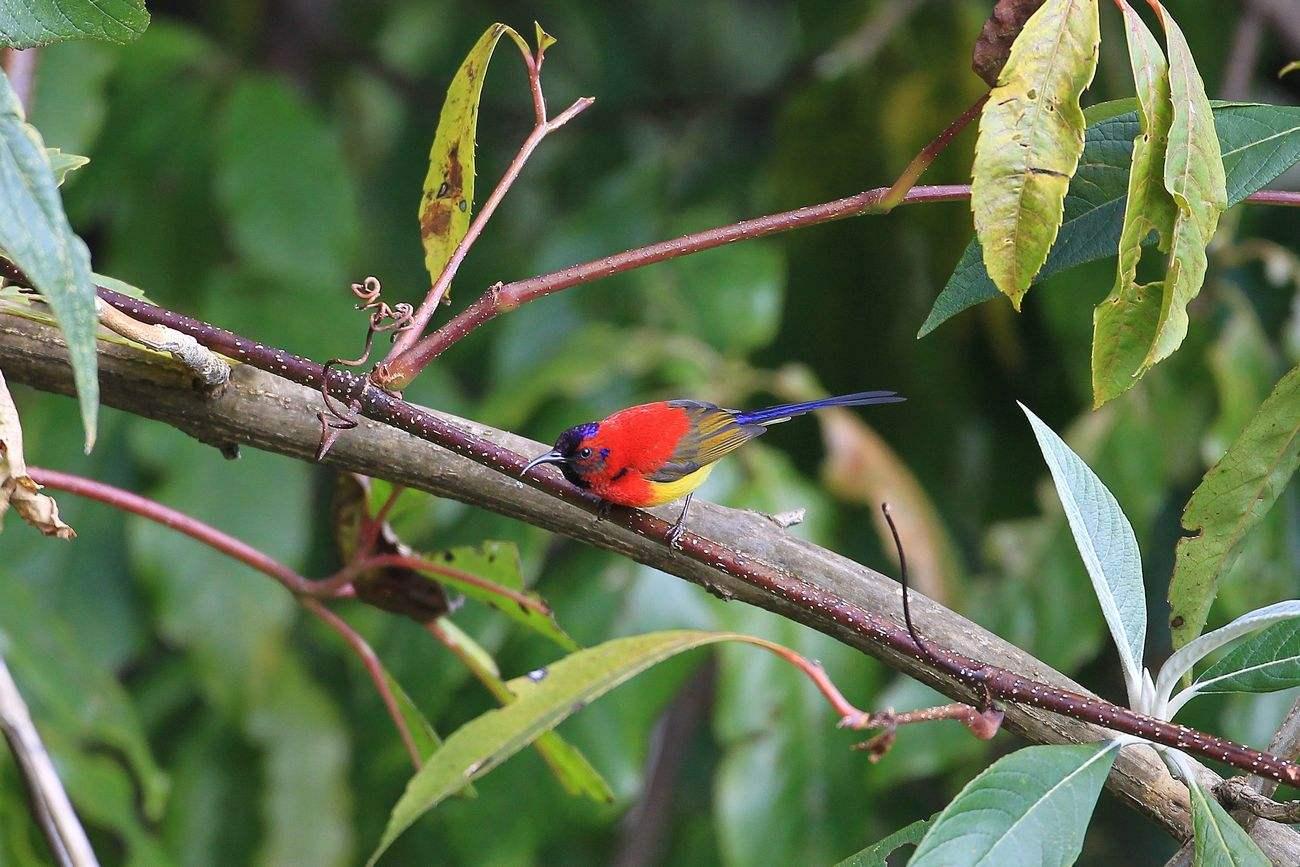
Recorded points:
675,534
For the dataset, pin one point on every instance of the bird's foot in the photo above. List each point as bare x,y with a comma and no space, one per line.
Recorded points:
603,510
675,534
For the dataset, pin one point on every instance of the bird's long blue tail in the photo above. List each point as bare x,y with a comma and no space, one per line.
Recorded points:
785,411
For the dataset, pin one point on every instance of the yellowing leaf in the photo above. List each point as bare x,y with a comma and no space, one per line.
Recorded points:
448,199
1124,325
1195,178
1031,136
16,487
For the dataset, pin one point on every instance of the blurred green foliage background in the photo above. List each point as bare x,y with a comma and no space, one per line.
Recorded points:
252,158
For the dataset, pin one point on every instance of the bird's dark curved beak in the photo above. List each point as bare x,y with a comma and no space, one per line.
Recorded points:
551,457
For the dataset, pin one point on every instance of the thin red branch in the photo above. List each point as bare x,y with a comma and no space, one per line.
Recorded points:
243,552
345,576
929,154
503,297
997,683
20,66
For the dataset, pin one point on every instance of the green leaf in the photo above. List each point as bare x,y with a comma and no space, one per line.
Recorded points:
1194,176
1031,807
543,699
1107,545
1096,113
285,188
447,201
64,164
877,854
1258,143
1232,498
36,236
425,736
1267,663
1220,841
1030,140
566,761
497,562
41,22
1124,324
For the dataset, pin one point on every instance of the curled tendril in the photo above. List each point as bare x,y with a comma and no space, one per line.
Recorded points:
394,318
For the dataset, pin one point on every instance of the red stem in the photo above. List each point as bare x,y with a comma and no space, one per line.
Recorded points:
346,575
241,551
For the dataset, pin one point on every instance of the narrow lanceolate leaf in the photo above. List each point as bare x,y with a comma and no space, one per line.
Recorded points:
1195,177
1124,325
1266,663
1031,807
1030,140
1258,143
40,22
566,761
877,854
1220,841
448,198
64,164
1107,545
36,236
1232,498
543,699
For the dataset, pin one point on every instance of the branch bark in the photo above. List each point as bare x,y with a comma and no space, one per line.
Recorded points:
271,413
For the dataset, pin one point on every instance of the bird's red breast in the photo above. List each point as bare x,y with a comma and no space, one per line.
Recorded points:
634,443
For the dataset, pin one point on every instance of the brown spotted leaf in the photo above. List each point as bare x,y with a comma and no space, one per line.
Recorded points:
1030,140
447,201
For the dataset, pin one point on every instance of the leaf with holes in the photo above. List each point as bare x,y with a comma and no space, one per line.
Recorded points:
447,201
1233,497
1258,143
1107,545
1031,807
542,700
1030,140
1195,177
877,854
35,235
1220,841
1124,324
41,22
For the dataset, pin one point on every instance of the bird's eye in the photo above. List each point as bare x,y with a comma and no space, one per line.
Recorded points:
585,453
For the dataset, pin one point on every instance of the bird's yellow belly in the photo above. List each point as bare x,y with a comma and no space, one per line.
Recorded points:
666,492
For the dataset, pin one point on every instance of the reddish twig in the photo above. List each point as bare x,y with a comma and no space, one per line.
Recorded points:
373,667
503,297
876,629
243,552
20,66
330,586
542,127
928,155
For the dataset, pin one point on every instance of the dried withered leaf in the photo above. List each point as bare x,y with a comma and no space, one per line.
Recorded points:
994,43
16,487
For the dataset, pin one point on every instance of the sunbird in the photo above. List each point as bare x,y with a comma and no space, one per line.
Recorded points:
655,453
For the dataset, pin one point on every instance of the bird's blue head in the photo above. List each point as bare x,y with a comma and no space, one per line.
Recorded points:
573,453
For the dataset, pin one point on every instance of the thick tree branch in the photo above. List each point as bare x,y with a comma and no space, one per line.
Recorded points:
268,412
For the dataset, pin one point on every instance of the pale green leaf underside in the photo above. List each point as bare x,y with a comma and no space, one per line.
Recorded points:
1107,545
1233,497
28,23
1030,140
1181,661
1031,807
